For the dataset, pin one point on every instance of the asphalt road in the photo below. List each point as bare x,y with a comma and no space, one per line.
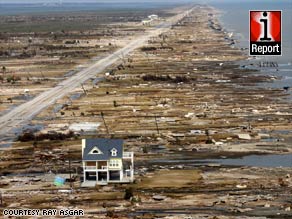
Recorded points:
22,114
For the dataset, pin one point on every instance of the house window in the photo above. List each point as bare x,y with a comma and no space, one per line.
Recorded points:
95,150
114,152
114,163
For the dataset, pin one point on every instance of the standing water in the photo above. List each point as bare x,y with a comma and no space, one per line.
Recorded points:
235,19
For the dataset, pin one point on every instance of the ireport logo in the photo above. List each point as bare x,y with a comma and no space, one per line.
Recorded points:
265,33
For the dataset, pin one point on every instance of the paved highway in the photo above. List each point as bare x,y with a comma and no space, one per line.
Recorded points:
23,113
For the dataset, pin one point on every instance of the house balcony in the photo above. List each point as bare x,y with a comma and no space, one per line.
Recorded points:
128,155
128,175
94,168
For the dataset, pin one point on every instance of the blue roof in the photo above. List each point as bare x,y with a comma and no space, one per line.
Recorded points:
104,146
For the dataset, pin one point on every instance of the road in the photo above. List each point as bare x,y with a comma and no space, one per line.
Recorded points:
22,114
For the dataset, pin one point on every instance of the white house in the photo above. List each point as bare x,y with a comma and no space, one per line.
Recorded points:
146,22
153,17
104,161
150,19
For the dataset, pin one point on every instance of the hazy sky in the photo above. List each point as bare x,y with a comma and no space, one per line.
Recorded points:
83,1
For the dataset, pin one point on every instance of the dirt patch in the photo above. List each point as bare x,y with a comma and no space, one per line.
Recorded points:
170,178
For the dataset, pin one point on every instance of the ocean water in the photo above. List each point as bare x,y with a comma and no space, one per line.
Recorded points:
41,8
235,18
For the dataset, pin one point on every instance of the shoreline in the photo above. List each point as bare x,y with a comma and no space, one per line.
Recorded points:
280,72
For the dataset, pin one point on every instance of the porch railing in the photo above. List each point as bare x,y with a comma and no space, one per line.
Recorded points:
128,155
90,167
95,168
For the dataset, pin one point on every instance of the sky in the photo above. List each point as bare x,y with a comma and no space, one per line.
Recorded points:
135,1
82,1
96,1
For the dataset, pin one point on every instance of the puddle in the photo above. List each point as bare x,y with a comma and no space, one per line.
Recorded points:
158,149
270,140
25,174
8,110
73,72
33,127
25,97
282,132
30,127
76,96
7,141
284,160
97,80
272,160
58,107
70,73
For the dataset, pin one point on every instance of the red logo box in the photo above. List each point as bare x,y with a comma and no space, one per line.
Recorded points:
265,33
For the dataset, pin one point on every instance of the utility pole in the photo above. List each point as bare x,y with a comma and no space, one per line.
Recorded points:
3,70
123,58
83,89
70,176
102,116
70,100
28,75
1,199
156,124
43,76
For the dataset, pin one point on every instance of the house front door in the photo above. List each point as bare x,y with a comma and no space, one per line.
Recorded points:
114,175
90,176
102,176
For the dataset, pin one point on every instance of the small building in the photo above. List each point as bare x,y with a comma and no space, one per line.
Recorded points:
84,127
146,22
105,161
244,136
153,17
